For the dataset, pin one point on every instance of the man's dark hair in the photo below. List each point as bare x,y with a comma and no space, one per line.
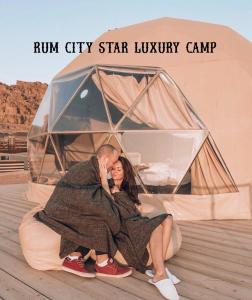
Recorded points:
105,149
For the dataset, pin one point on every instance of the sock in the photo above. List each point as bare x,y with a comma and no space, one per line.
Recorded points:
103,263
72,257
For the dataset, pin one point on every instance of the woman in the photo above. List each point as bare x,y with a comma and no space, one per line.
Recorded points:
140,232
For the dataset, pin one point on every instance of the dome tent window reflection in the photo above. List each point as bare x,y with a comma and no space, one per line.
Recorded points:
83,94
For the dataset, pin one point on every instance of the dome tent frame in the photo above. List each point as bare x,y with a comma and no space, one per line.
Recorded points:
114,130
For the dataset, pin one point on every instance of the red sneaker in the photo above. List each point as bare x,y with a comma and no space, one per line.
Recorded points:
112,270
76,266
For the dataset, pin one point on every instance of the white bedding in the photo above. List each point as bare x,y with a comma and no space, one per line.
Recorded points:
162,174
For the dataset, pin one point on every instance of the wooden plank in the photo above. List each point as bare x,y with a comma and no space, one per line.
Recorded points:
12,212
17,207
212,271
217,229
13,288
11,236
217,262
242,222
3,230
221,288
234,224
13,189
218,254
14,220
21,198
11,216
224,242
210,245
7,199
223,235
226,226
11,207
8,224
19,203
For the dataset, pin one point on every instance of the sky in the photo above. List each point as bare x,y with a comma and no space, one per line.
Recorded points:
24,22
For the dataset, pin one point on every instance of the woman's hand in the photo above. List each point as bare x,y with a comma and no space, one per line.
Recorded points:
115,189
103,168
139,207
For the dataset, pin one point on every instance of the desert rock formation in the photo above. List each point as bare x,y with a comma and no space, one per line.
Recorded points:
19,103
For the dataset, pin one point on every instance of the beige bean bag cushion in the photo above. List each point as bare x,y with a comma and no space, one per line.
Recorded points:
41,245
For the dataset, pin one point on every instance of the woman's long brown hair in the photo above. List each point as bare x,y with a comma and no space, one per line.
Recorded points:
129,182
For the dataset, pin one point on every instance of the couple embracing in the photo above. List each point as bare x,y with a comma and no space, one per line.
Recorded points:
90,211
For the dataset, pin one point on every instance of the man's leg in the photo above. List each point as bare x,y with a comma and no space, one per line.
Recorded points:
82,250
101,257
106,266
74,263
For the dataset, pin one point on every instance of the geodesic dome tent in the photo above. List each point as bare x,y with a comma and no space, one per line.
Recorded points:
218,86
143,113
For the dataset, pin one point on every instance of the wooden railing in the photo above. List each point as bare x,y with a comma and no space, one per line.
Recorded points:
11,165
14,145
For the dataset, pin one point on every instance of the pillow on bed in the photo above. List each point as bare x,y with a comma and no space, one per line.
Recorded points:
160,174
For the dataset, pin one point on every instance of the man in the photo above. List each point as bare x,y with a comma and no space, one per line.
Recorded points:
85,215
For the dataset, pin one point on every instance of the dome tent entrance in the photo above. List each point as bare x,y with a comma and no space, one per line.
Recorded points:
142,112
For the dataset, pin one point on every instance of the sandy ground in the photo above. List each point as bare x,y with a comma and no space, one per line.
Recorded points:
14,177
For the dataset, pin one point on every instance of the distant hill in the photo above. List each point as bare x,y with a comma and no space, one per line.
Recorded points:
19,103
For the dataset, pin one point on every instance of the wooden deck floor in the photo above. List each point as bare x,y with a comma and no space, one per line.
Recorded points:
214,262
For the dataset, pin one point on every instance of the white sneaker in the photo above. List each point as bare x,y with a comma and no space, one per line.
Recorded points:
166,288
174,278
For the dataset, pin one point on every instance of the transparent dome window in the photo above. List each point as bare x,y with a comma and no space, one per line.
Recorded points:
161,158
85,112
40,122
120,89
62,91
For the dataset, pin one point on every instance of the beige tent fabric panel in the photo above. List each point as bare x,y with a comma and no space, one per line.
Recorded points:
168,111
220,92
201,207
120,90
83,146
183,207
76,151
208,175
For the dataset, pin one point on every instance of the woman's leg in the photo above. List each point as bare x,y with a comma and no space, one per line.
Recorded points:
166,236
156,251
167,229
